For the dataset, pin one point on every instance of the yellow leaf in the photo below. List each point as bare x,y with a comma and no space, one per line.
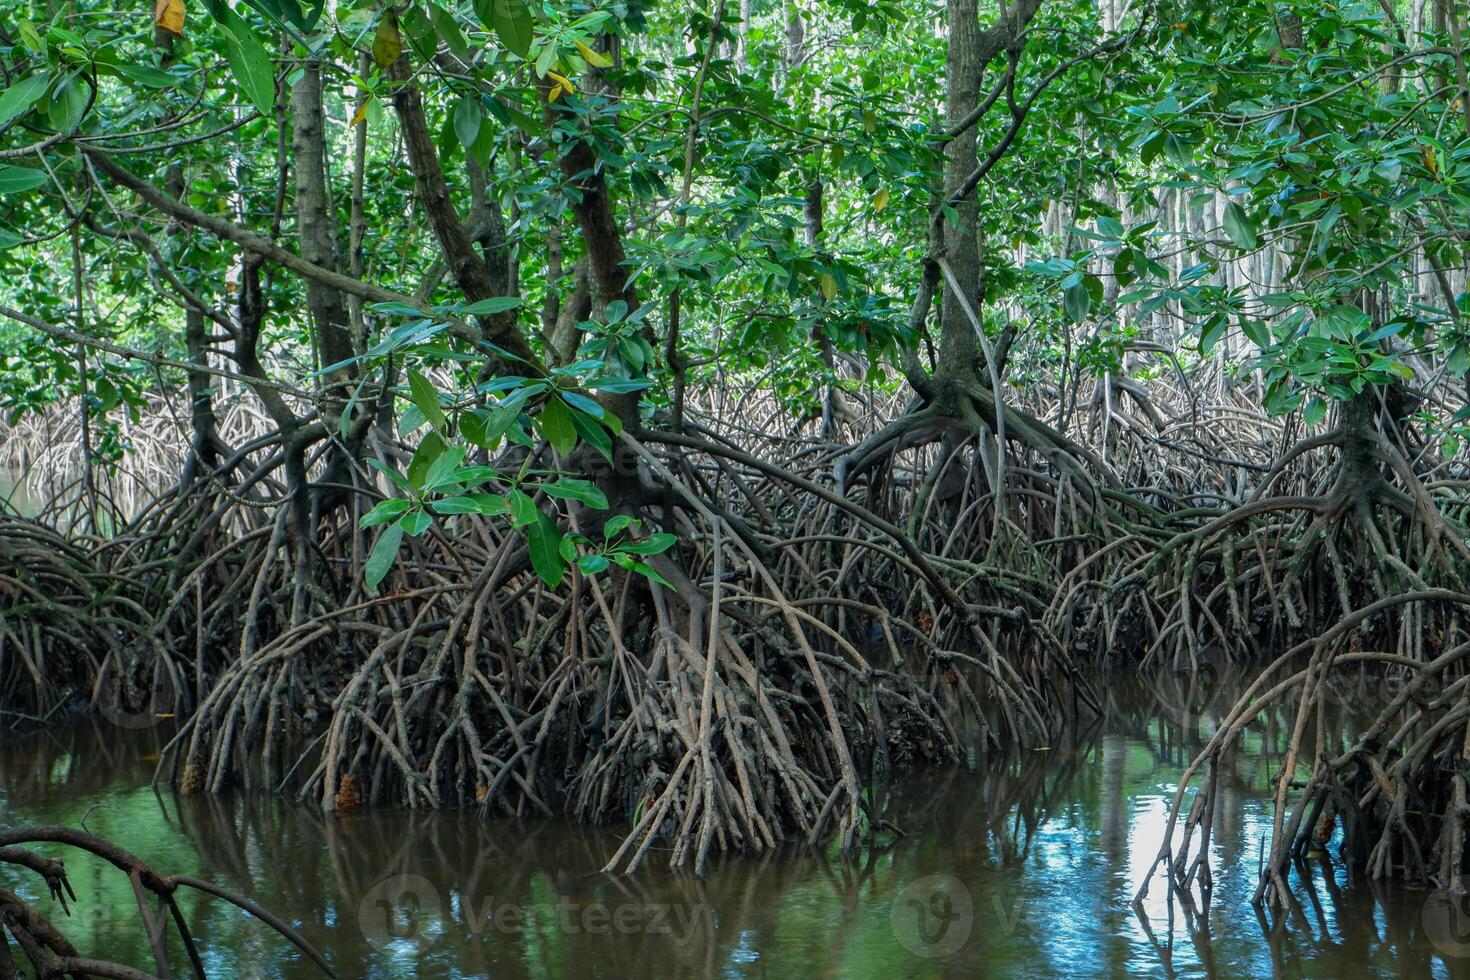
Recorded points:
828,284
593,56
387,43
562,85
169,15
360,114
880,199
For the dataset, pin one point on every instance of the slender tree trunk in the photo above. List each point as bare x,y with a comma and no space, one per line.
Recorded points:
204,452
84,410
742,38
957,344
357,222
314,222
795,37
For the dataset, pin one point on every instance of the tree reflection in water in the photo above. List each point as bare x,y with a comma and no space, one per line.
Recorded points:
1047,847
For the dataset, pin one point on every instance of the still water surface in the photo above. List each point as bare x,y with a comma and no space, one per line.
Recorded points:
1020,867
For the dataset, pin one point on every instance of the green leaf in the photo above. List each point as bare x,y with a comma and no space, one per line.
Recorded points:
556,426
429,450
495,304
472,426
1149,149
1240,228
593,434
619,385
1314,412
410,421
14,180
570,489
1076,301
427,399
631,352
385,550
582,403
1397,368
654,544
615,525
422,37
1458,363
511,21
491,504
1389,329
546,60
385,511
467,118
454,505
1256,330
1214,329
441,472
391,474
484,146
449,32
251,66
474,475
647,572
415,522
543,540
18,98
496,424
68,103
1178,150
592,564
523,510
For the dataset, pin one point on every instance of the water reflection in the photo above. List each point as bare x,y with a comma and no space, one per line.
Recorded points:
1012,867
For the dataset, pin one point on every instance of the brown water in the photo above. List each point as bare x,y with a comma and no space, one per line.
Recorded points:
1014,868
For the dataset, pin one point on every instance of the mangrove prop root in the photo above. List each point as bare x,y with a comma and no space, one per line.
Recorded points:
51,954
831,612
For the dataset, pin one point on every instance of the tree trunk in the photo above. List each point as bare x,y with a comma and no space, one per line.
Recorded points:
957,346
328,310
